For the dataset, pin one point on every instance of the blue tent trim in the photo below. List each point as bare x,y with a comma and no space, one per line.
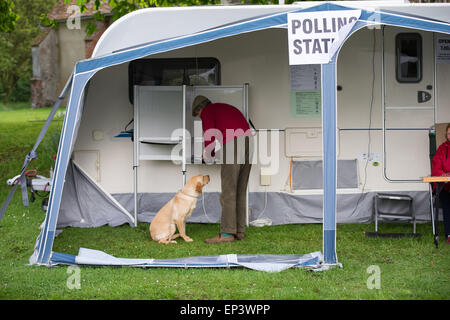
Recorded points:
63,258
329,126
70,125
84,70
278,20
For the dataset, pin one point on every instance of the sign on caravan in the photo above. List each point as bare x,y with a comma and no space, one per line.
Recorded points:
314,37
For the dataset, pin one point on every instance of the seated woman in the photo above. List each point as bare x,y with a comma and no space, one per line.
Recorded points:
441,167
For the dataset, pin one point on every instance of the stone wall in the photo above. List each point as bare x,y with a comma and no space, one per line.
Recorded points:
44,83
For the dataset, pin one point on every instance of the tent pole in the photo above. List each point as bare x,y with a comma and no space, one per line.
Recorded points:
329,127
247,218
45,244
135,195
135,154
183,151
32,154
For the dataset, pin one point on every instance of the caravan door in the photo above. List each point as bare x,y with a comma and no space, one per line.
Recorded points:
409,103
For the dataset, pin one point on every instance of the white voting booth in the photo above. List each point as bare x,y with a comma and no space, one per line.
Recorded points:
165,129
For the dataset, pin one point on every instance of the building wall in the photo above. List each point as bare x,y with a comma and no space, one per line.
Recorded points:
46,71
54,59
71,49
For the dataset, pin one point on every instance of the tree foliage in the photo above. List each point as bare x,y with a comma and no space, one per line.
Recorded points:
8,17
15,45
122,7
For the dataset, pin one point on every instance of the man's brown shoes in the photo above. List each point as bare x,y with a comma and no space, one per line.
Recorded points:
220,239
239,236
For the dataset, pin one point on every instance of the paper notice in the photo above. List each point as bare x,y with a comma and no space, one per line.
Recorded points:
306,104
305,77
443,49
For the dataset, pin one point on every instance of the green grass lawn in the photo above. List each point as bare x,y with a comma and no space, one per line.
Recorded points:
15,106
410,268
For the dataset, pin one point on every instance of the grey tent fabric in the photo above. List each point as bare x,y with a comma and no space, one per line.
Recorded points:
282,207
309,174
150,203
84,204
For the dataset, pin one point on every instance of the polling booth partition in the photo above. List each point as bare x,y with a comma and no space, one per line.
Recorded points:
314,36
166,130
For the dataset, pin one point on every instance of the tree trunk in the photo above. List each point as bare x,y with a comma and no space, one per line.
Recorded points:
6,94
8,88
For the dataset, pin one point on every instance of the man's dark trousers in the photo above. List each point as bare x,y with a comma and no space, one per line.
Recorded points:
234,176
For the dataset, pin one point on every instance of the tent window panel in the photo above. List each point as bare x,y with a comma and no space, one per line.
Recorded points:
173,72
408,57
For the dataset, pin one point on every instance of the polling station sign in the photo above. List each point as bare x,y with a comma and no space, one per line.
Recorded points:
315,36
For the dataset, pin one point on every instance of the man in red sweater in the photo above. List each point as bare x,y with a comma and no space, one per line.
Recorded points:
225,125
441,167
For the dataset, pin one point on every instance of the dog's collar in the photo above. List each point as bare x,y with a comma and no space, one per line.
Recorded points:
189,195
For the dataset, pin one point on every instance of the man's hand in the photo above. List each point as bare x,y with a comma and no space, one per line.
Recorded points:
206,157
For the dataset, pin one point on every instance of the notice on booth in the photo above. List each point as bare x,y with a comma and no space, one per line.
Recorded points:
314,37
306,104
443,49
305,91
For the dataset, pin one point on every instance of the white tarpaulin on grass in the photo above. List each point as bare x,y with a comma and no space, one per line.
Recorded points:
260,262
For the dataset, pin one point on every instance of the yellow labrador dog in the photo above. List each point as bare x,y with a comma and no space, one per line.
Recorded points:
175,212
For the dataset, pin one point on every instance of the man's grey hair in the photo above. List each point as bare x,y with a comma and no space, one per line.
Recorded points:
199,103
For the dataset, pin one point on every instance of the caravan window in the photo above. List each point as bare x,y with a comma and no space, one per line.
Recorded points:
173,72
409,57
